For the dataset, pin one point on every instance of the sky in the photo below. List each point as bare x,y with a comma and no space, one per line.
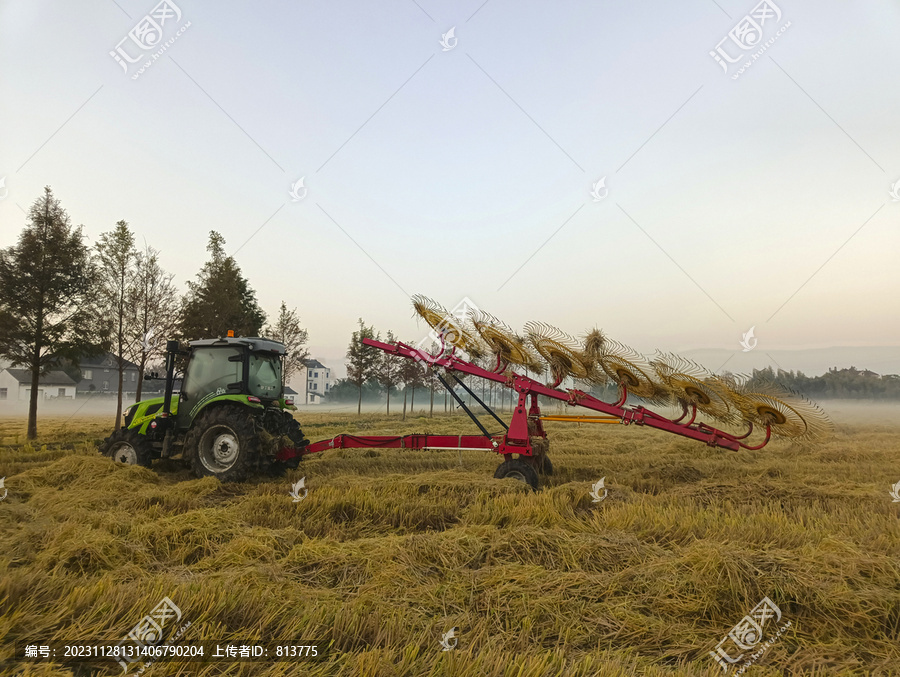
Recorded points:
578,163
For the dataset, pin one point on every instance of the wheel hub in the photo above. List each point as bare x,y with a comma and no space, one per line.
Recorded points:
219,449
125,453
225,448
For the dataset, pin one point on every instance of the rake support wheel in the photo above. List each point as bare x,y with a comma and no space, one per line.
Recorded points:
519,470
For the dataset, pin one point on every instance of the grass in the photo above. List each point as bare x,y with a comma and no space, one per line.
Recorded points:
391,548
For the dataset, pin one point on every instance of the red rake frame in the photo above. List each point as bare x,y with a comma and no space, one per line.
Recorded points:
524,437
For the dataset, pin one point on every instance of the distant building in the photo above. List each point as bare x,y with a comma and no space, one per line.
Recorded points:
318,381
101,374
15,385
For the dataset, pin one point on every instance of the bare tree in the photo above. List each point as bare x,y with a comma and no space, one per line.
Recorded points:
288,331
388,371
116,255
153,303
411,378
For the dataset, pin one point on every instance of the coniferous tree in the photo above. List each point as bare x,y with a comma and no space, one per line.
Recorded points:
221,299
362,360
49,309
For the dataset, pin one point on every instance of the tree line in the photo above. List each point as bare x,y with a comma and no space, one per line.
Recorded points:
62,301
848,383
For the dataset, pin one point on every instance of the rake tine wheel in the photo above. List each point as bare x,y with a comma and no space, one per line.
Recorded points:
593,346
631,372
561,352
452,330
692,385
504,343
786,413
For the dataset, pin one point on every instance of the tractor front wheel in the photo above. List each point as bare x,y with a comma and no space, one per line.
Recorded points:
223,443
128,447
518,469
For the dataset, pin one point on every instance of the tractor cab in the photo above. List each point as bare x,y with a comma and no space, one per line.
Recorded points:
244,369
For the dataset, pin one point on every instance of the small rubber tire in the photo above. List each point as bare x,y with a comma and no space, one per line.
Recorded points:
544,466
128,446
520,470
223,443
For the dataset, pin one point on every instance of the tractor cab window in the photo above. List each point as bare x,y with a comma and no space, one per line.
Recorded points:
211,370
265,375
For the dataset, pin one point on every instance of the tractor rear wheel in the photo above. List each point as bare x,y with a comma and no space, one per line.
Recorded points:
295,434
518,469
129,447
223,443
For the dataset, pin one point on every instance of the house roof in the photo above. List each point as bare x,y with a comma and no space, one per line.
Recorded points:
315,364
54,378
290,391
105,361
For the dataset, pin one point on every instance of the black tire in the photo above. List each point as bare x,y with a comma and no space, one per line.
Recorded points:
544,466
223,443
129,447
295,434
518,469
279,468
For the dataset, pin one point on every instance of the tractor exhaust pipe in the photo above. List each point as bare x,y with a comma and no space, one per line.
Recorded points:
171,352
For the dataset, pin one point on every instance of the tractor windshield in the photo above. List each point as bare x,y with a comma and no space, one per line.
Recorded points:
265,375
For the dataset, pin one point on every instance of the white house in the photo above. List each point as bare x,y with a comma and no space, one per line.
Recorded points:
15,385
318,381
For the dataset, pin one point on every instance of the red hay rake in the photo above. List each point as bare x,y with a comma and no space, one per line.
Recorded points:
523,442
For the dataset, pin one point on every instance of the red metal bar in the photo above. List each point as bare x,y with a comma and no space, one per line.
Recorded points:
413,441
517,437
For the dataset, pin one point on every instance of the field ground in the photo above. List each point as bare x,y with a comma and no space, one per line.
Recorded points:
391,548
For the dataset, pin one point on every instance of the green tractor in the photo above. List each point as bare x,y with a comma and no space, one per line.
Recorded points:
229,419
